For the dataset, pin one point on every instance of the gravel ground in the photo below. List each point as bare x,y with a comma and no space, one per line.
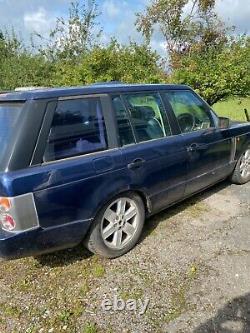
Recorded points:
192,266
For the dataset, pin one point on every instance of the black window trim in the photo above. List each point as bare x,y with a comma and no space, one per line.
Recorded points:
112,96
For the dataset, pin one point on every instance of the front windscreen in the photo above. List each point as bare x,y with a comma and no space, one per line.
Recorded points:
10,114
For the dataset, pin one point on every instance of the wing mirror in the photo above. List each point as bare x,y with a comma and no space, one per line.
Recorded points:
224,122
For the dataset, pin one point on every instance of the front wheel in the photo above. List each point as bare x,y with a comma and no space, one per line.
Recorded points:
241,174
117,227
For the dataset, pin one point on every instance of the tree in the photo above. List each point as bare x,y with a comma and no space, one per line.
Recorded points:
127,63
74,35
18,67
183,23
201,52
218,72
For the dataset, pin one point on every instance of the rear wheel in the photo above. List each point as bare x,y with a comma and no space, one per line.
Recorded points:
117,227
241,174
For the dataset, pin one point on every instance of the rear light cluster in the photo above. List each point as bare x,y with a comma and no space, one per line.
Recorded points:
7,221
18,213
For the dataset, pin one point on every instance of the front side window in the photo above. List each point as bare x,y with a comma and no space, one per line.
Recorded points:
190,111
148,116
78,128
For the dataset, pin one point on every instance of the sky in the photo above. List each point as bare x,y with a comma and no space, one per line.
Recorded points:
117,17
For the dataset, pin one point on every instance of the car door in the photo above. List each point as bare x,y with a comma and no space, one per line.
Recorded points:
208,148
153,156
77,161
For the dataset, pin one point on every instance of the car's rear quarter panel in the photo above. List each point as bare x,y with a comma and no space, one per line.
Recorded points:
70,190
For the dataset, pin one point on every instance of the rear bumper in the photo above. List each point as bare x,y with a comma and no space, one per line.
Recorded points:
39,241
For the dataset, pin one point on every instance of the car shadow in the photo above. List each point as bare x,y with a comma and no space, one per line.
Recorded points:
233,317
162,217
64,257
67,257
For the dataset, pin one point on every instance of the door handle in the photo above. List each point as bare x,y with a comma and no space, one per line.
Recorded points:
192,147
195,146
137,163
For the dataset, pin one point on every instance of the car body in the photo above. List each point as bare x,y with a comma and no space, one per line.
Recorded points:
69,152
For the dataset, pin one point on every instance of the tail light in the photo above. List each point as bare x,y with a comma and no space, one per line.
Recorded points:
7,221
5,204
18,213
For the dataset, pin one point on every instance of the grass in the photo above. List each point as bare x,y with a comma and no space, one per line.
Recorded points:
196,209
90,328
179,297
49,293
233,108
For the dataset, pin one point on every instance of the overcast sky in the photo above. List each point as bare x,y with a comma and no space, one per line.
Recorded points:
117,18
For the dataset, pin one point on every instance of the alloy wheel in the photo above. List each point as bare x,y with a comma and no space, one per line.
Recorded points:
120,223
245,164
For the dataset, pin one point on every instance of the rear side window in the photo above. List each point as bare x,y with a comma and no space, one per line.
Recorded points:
78,128
148,116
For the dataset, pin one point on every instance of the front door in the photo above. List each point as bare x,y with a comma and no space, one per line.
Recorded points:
154,159
208,150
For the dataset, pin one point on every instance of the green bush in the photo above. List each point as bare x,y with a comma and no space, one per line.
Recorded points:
218,72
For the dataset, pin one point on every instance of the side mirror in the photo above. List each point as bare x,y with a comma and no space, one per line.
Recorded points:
224,122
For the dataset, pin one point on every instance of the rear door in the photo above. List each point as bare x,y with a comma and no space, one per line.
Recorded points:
209,150
153,156
80,160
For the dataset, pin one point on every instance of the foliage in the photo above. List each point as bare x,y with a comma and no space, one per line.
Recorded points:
233,108
116,62
18,67
74,35
201,53
183,23
219,72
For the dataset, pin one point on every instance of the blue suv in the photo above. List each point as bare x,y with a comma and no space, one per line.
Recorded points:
90,163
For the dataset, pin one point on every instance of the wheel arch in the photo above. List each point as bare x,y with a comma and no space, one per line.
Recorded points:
141,193
242,144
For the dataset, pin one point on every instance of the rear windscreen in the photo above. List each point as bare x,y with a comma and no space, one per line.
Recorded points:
10,114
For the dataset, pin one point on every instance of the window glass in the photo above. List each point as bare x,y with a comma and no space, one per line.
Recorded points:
190,111
77,128
148,116
125,132
10,117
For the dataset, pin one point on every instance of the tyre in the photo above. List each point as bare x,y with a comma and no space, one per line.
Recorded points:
241,174
117,227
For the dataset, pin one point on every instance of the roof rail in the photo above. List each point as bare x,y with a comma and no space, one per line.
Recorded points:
106,82
29,88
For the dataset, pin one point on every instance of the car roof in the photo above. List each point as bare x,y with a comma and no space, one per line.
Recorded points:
102,88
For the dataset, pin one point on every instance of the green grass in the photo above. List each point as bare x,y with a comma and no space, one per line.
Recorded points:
233,108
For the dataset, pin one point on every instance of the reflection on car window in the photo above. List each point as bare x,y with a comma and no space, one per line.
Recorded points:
148,116
78,128
190,111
